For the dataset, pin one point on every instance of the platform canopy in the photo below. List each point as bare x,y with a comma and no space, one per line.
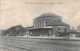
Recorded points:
48,27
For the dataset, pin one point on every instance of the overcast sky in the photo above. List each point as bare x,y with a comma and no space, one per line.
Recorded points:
14,12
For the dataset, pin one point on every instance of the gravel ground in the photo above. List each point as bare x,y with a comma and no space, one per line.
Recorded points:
27,44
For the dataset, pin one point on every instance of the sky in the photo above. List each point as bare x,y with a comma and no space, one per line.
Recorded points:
15,12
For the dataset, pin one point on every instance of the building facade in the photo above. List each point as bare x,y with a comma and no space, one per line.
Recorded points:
48,24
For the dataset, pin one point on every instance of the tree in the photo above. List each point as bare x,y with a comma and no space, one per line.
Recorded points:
15,30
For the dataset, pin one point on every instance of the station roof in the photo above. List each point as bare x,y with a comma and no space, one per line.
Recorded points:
48,15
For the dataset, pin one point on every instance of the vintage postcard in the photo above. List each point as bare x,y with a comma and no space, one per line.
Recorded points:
40,25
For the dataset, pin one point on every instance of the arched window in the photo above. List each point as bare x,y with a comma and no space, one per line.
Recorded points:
58,30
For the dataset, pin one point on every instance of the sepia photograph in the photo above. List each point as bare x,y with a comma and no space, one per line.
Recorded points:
39,25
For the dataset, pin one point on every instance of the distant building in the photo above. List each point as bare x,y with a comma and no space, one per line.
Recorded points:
0,32
48,24
78,28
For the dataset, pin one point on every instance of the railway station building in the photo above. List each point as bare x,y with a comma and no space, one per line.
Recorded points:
49,24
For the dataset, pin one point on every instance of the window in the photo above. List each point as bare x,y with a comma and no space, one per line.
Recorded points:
44,23
65,30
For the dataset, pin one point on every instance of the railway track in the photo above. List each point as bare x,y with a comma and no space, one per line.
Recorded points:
13,48
25,44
